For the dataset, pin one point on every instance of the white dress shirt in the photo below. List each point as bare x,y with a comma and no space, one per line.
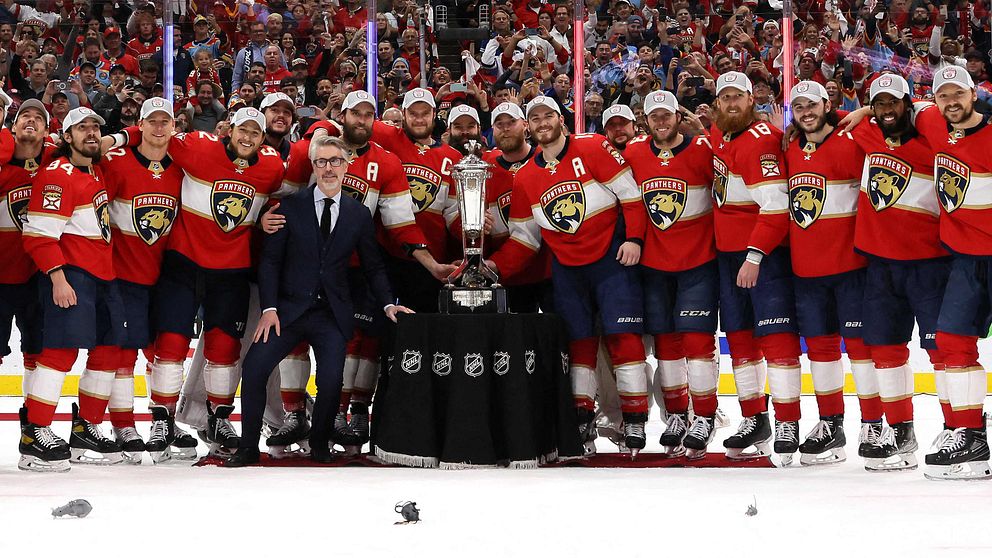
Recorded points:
318,205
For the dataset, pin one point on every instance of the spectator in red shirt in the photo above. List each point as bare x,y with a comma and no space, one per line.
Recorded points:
353,15
527,14
275,71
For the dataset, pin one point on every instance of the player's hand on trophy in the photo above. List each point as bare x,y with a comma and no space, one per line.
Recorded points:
487,227
63,295
272,221
629,253
269,320
395,309
441,271
747,277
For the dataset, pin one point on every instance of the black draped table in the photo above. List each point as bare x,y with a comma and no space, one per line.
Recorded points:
463,391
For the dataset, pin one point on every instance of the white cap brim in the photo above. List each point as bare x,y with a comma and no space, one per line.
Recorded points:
542,101
623,111
80,114
463,110
952,74
735,80
156,104
661,100
37,105
808,90
356,98
892,84
512,110
278,97
248,114
418,95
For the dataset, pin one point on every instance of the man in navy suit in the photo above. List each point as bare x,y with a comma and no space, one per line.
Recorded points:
303,289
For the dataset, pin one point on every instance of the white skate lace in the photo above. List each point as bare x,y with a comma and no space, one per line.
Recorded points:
820,432
127,434
160,430
95,432
785,430
676,424
951,440
225,429
888,437
180,433
634,429
747,426
46,437
700,429
289,424
868,435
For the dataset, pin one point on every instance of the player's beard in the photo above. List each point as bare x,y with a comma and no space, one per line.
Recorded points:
668,136
733,123
461,143
424,134
900,127
962,116
357,136
818,125
90,151
277,134
508,143
552,135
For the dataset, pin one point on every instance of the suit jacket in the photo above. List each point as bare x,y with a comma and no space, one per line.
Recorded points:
295,262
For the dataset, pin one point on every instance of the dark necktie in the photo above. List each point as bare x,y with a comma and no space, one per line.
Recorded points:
325,219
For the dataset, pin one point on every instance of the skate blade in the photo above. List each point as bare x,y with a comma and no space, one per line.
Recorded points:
695,454
89,457
673,452
782,460
974,470
183,454
589,449
36,465
836,455
299,449
761,449
160,456
633,453
217,451
898,462
133,457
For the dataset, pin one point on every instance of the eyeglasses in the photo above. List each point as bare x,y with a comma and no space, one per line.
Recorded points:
333,161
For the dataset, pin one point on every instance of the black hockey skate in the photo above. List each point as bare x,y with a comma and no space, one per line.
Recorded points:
295,431
753,431
131,442
700,434
825,443
786,442
41,450
961,454
587,431
870,433
221,436
675,432
89,445
183,447
634,437
894,450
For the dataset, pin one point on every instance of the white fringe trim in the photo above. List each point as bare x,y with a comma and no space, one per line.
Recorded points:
457,466
406,460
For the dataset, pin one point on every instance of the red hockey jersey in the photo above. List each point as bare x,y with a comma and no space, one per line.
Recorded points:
675,186
749,188
69,220
897,208
142,49
572,204
15,195
144,202
824,184
963,182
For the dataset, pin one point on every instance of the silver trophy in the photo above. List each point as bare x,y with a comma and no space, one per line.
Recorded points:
474,286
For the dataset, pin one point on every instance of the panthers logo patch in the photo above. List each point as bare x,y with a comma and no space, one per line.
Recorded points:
720,177
665,199
102,209
230,203
565,206
424,185
355,187
807,192
17,205
951,179
503,203
152,216
888,178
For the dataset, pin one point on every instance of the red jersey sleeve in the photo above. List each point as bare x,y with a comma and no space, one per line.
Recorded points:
52,205
763,171
525,234
610,169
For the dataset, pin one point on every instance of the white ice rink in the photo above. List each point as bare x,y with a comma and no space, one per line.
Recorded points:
177,510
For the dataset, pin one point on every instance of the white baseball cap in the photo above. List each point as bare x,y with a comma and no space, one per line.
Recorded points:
463,110
661,100
77,115
736,80
617,110
156,104
893,84
809,90
247,114
542,101
418,95
952,74
513,110
6,98
37,105
278,97
356,98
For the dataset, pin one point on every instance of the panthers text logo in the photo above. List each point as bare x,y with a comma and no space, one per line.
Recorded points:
951,180
665,200
887,180
503,202
424,185
565,206
231,203
719,181
355,187
153,215
102,209
17,204
807,192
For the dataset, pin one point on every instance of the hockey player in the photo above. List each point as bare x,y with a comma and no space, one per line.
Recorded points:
679,271
618,126
144,186
579,197
463,126
824,177
961,176
756,310
897,230
68,236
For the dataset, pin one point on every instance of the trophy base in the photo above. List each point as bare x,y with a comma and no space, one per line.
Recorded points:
467,300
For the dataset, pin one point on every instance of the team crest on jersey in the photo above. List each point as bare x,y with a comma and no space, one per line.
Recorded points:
51,197
888,178
230,203
951,180
665,199
719,181
503,202
565,206
613,152
153,215
769,166
17,205
355,187
424,185
807,192
102,209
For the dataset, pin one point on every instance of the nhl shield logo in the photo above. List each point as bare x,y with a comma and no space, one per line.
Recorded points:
720,179
888,178
153,215
102,209
231,202
503,203
951,180
565,206
501,362
530,359
442,364
665,200
474,365
17,205
424,186
807,192
410,363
